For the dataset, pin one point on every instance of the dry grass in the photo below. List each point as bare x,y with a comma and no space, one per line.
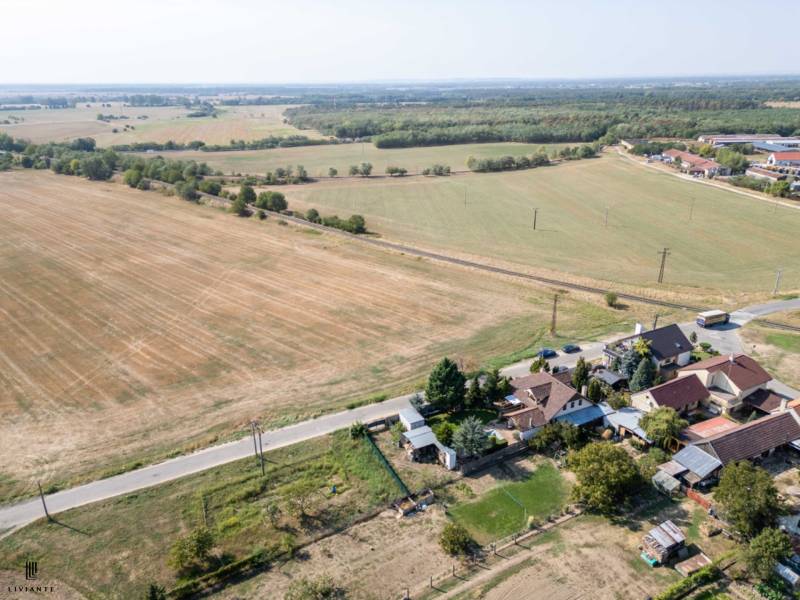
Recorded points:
778,351
142,325
162,124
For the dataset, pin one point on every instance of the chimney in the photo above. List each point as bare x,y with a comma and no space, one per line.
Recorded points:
784,404
731,359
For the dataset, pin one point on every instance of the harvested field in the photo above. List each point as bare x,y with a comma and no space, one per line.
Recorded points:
318,159
143,325
777,351
733,243
163,123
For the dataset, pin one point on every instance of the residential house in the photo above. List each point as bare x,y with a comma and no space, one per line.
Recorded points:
784,159
669,348
683,394
729,379
694,164
700,462
760,173
541,398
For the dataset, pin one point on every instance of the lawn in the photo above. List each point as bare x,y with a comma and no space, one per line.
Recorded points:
732,243
115,548
504,509
318,159
785,341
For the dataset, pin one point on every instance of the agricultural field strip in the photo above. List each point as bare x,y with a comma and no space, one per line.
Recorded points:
383,305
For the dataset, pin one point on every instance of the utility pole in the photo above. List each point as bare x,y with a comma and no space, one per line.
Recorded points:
465,196
606,219
691,210
655,321
664,253
261,448
259,458
44,504
777,281
555,311
535,215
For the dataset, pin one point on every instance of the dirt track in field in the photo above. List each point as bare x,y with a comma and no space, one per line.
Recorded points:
132,322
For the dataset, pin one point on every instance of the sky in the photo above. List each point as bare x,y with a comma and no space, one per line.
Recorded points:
311,41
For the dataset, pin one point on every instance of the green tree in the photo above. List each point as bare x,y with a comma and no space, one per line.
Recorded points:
475,398
320,588
648,464
132,177
747,498
191,550
300,493
607,476
397,431
643,376
617,400
312,215
445,389
455,540
611,299
764,552
239,207
540,364
470,439
357,224
581,374
630,360
247,194
332,172
365,169
156,592
693,337
595,391
354,170
444,432
780,188
662,425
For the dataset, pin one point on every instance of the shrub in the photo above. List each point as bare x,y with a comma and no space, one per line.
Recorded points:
455,540
611,299
358,430
684,586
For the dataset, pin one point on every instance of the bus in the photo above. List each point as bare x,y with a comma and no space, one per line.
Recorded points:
712,317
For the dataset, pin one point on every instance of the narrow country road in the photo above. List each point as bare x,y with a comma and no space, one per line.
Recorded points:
726,340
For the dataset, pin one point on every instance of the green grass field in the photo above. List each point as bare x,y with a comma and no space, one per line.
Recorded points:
500,512
731,243
115,548
318,159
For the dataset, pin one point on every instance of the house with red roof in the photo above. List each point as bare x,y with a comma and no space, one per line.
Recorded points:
784,159
541,398
683,394
694,164
733,380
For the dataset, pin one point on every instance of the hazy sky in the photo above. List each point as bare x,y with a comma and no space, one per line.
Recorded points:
261,41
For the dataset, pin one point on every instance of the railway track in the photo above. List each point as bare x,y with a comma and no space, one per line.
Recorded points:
556,283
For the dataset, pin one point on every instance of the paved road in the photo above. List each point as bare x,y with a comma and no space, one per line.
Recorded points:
726,340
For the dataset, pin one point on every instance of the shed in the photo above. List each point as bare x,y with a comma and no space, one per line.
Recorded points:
662,541
422,438
626,420
411,419
788,575
700,464
666,483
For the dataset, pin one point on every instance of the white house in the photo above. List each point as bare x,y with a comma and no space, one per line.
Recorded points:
784,159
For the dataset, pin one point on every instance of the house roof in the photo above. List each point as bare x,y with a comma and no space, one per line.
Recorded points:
667,342
679,393
545,392
786,155
765,173
742,370
697,461
752,439
709,428
666,481
627,417
766,400
585,415
667,535
608,376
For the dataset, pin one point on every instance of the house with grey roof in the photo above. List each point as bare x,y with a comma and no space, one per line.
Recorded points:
670,349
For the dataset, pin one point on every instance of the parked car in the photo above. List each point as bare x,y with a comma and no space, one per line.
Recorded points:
547,353
570,348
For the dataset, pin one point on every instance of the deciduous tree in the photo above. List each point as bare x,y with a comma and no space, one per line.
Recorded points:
764,552
607,476
747,497
663,425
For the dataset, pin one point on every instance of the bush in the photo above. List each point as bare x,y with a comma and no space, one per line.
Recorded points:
611,299
358,430
455,540
684,586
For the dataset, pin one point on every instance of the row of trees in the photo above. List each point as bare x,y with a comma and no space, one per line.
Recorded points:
364,169
446,388
781,189
506,163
